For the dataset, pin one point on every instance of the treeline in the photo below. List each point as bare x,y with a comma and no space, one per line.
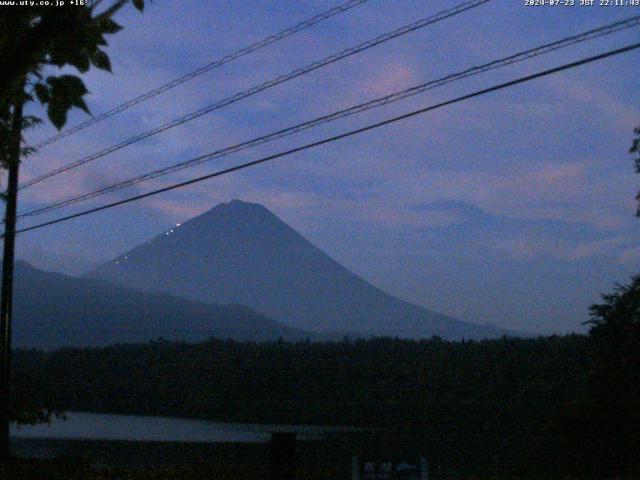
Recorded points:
507,385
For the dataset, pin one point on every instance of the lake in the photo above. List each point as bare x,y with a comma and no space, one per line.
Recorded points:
98,426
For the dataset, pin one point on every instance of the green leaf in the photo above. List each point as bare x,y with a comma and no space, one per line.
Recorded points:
42,92
95,37
57,114
67,85
101,60
57,58
66,92
109,26
79,102
81,62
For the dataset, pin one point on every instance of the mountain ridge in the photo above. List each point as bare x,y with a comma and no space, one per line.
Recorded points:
52,310
242,253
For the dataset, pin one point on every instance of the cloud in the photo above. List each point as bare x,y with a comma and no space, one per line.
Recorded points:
394,77
535,248
629,256
538,172
610,111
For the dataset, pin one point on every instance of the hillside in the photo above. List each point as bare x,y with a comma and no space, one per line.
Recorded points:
241,253
53,310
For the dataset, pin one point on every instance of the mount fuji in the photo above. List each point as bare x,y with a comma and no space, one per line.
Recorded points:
241,253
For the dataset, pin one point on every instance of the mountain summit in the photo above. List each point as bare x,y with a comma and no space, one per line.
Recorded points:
241,253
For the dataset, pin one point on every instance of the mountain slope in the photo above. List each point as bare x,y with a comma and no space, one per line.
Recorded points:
242,253
53,310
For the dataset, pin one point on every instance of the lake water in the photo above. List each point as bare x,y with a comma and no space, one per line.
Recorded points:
97,426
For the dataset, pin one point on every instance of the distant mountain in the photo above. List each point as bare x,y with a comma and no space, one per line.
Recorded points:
241,253
53,310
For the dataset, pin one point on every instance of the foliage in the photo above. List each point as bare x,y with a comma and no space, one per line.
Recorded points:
36,38
614,381
488,386
74,468
30,403
465,402
615,338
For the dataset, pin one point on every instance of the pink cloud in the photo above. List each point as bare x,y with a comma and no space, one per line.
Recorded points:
539,248
629,256
616,113
393,77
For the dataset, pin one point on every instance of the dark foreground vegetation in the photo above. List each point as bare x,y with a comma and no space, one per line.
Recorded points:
486,386
498,407
450,456
551,406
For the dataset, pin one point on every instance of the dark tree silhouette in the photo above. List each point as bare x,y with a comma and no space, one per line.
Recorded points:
35,39
614,383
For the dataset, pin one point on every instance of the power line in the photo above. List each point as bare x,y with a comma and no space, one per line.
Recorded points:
206,68
334,138
263,86
385,100
266,85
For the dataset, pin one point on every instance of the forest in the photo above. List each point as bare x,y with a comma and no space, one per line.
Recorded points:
383,382
507,399
566,404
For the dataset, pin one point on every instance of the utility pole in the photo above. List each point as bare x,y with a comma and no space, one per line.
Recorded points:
7,278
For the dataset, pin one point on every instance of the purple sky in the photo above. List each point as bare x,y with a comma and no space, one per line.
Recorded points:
515,208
